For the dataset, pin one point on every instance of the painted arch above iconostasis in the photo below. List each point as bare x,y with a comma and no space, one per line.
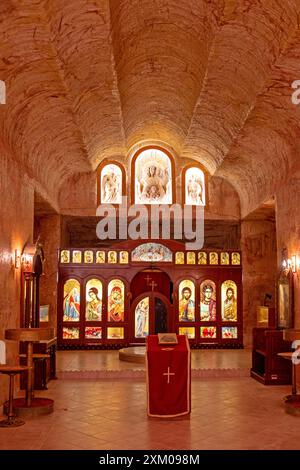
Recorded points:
153,178
151,175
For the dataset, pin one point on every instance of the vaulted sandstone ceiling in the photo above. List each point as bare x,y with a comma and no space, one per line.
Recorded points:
89,79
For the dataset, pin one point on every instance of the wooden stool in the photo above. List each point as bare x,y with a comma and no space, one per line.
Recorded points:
31,406
12,420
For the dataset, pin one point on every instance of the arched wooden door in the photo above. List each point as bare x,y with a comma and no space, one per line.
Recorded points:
151,313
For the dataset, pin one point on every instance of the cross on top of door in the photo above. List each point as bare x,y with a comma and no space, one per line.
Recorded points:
151,284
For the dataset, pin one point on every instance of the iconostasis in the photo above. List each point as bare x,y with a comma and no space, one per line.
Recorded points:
116,297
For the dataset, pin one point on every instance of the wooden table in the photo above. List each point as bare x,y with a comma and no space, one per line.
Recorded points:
30,336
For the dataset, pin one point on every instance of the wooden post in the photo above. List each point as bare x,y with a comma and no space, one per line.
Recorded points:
10,414
30,373
36,307
28,299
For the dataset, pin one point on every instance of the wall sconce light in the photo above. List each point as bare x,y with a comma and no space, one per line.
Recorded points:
17,259
289,264
27,258
293,264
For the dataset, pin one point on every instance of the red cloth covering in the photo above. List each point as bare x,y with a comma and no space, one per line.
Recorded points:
168,395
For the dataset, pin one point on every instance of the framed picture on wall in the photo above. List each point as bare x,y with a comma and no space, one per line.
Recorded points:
285,301
44,313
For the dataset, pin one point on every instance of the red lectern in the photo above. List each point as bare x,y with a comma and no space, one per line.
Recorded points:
168,377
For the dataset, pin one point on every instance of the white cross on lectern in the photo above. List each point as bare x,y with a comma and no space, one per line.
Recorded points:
168,374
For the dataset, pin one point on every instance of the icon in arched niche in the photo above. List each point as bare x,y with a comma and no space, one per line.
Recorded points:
65,256
202,257
116,300
186,300
76,256
153,178
235,258
142,318
224,257
112,257
229,301
71,303
88,257
100,257
111,184
93,292
208,305
123,257
194,187
213,258
179,257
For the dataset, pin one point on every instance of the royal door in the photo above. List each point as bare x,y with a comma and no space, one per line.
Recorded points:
151,313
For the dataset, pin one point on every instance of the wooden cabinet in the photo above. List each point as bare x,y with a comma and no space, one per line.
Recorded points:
44,367
267,367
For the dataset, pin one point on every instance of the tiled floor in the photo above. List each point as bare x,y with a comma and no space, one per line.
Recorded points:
109,360
226,414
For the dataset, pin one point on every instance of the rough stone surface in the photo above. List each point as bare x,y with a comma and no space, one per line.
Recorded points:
16,225
89,79
258,243
288,231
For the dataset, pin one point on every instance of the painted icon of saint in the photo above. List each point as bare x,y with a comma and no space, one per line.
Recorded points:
230,306
93,306
208,304
116,305
186,305
72,305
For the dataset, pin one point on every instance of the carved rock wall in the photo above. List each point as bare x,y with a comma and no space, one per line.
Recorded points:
258,243
288,230
16,226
